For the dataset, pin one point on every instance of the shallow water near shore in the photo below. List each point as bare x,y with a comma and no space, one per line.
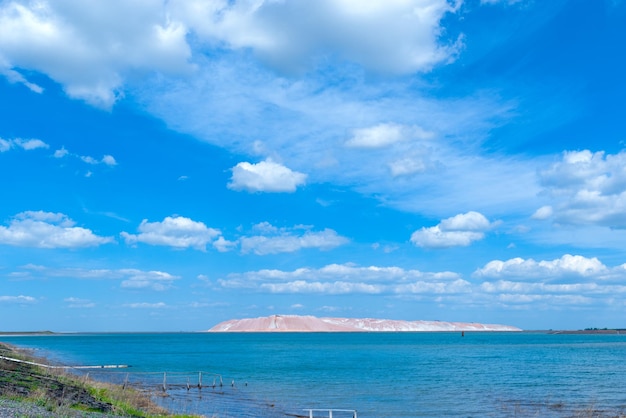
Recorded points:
377,374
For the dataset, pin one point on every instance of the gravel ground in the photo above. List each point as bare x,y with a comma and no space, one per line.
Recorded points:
11,409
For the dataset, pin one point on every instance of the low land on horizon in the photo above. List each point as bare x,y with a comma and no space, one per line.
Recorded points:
295,323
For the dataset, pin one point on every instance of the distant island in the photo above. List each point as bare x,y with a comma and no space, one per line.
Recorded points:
295,323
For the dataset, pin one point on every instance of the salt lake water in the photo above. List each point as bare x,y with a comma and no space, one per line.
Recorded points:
377,374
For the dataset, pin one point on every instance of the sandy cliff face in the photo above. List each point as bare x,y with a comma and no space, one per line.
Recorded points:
293,323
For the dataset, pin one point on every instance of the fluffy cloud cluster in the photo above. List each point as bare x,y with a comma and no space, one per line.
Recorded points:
176,231
273,240
570,280
266,176
392,36
529,269
25,144
48,230
181,232
93,48
90,47
588,189
345,279
460,230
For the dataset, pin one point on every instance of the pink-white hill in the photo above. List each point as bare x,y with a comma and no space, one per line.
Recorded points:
294,323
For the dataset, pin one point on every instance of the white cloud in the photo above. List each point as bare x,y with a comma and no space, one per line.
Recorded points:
528,269
286,240
79,303
398,36
176,231
588,188
543,212
509,2
153,280
346,279
14,77
17,299
48,230
266,176
407,166
60,153
91,47
109,160
30,144
386,134
25,144
106,159
146,305
128,278
223,245
459,230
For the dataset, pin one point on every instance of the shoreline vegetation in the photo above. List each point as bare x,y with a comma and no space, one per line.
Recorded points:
29,390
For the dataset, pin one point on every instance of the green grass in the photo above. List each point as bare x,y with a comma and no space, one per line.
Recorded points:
57,391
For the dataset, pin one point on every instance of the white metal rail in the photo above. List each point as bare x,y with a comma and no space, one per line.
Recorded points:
330,412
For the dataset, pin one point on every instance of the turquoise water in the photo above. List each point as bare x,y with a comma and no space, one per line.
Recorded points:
377,374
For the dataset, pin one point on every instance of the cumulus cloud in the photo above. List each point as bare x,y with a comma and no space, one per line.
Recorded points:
173,231
459,230
285,240
266,176
569,281
346,278
395,36
93,48
48,230
25,144
567,265
587,188
90,48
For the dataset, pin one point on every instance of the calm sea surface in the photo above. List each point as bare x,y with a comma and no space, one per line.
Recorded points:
377,374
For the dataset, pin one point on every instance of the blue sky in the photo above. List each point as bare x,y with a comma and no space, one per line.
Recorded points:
171,164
